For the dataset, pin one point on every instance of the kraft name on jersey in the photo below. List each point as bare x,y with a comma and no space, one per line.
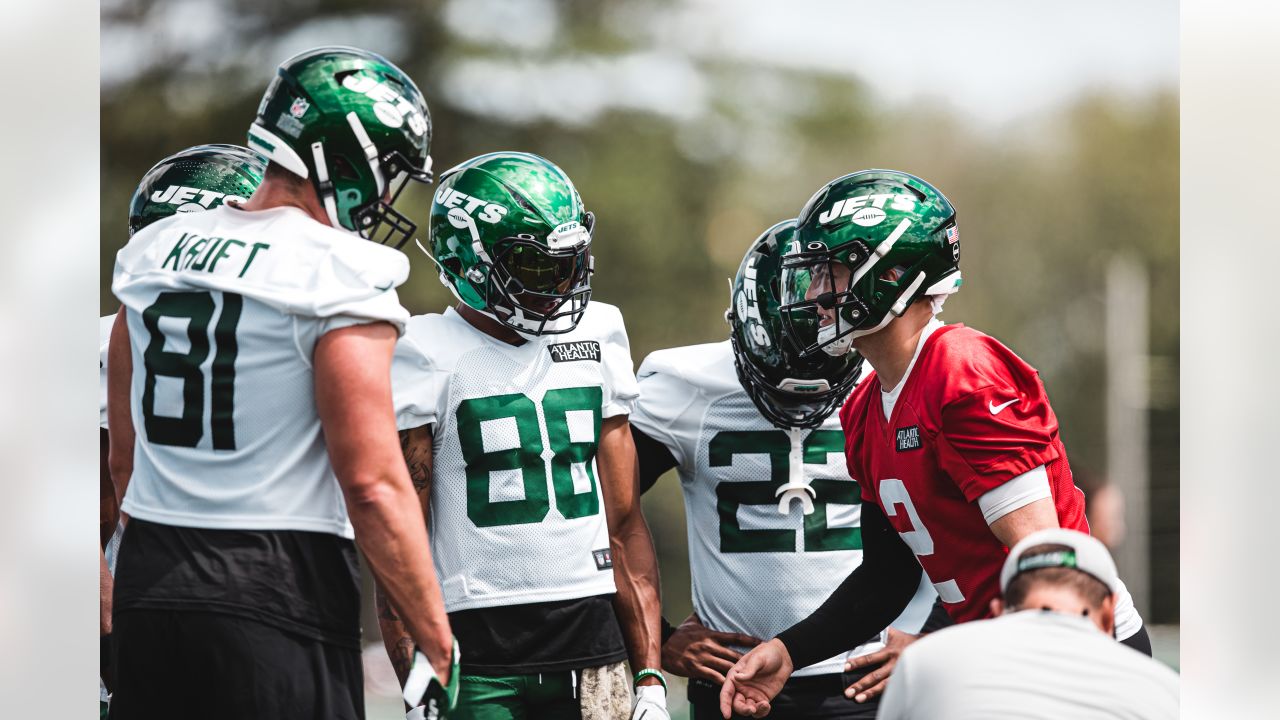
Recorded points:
193,252
571,351
908,438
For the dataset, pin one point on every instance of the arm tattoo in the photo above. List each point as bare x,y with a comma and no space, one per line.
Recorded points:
417,458
396,638
402,657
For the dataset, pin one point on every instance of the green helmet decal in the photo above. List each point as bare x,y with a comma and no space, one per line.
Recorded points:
866,246
511,238
198,178
790,390
354,125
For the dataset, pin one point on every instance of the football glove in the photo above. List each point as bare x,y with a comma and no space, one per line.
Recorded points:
651,703
430,699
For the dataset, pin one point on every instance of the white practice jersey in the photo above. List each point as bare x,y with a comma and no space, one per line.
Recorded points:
224,310
756,568
517,514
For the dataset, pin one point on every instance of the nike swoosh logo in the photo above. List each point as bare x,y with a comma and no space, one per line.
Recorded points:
384,289
995,409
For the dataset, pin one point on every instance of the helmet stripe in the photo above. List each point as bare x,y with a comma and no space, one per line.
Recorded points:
881,250
370,150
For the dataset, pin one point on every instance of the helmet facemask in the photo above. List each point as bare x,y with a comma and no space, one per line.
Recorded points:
540,292
789,390
839,291
389,174
791,403
535,287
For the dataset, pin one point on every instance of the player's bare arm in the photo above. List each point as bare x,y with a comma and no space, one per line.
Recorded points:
1013,526
108,506
693,650
104,597
353,397
395,636
638,602
415,444
119,419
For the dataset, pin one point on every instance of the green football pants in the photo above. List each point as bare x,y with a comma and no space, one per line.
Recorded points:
546,696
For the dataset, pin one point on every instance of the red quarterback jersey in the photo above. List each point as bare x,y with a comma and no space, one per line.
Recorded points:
970,417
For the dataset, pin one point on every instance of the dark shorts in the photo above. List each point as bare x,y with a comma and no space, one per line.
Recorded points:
203,665
818,696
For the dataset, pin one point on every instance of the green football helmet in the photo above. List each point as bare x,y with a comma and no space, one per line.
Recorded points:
198,178
866,246
790,391
513,240
355,126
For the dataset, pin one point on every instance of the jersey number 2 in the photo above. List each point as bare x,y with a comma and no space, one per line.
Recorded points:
894,493
511,421
197,309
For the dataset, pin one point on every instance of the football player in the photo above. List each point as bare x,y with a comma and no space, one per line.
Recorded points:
772,512
952,440
513,408
252,361
204,177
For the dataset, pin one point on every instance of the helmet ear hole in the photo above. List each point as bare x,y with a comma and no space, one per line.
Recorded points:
893,274
343,169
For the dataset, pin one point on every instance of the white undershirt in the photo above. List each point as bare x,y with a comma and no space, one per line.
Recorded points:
889,398
1019,492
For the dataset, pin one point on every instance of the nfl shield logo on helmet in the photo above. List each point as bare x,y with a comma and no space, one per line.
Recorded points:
299,107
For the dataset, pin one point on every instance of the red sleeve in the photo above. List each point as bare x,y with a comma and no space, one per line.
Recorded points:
997,432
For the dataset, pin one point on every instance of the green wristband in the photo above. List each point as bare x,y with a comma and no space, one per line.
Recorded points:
649,672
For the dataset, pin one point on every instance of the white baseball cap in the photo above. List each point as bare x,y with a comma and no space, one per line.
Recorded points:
1086,554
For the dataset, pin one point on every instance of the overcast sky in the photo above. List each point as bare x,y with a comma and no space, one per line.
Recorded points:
991,60
994,59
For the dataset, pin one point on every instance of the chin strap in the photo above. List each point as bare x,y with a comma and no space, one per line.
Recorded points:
797,488
461,220
325,187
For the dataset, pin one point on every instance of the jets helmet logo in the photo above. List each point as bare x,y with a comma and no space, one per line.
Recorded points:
189,199
749,310
389,106
867,210
489,212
